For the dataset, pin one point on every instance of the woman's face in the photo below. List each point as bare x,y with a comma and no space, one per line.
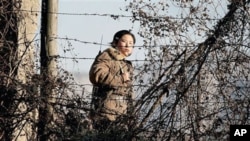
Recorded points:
125,44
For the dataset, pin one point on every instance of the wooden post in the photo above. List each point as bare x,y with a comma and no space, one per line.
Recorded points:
49,71
52,52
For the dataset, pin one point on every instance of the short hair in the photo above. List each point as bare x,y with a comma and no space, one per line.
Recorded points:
119,34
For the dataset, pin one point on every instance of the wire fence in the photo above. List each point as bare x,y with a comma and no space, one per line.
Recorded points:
183,91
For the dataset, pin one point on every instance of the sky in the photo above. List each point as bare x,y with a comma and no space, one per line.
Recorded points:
76,25
73,23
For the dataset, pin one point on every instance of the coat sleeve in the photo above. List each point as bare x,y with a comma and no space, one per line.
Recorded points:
102,73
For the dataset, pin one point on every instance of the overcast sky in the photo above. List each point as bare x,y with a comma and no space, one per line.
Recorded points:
77,25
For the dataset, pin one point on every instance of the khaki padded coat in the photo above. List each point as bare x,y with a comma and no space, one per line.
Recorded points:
106,74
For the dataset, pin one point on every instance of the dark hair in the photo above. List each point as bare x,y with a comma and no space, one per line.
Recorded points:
119,34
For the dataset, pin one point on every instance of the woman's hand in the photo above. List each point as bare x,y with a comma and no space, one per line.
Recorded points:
126,77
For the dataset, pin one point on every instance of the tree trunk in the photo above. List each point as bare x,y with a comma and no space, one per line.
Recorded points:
27,32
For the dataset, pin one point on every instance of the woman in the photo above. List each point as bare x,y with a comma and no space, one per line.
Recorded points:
111,76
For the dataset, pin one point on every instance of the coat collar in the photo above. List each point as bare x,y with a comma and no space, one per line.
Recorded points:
116,54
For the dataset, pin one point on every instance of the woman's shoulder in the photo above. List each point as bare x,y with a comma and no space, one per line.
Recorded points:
112,53
104,55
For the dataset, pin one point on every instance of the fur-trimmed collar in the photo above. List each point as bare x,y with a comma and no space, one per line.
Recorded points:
115,53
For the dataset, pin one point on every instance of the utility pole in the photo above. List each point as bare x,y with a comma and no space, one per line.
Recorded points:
48,55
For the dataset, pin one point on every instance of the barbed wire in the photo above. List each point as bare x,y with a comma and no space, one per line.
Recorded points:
136,46
115,16
141,85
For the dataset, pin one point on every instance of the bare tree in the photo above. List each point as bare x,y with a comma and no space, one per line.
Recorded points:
17,35
192,85
24,90
196,71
